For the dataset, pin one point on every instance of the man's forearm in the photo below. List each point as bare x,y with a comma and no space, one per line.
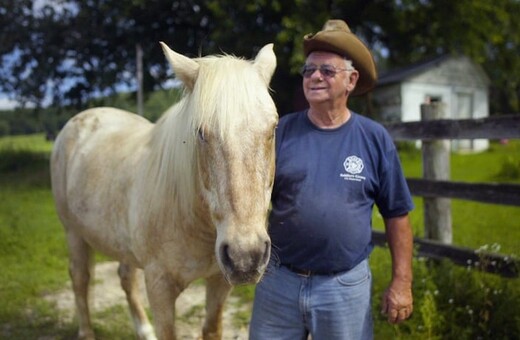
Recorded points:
400,241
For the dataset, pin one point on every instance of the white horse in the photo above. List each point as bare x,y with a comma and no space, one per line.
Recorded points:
182,199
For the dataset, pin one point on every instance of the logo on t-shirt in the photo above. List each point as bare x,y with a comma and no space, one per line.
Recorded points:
353,166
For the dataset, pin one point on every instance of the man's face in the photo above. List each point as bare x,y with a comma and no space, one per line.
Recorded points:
325,86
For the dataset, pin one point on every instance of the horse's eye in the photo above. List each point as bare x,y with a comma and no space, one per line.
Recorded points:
200,133
273,133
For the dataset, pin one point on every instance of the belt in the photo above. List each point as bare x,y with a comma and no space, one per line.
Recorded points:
307,272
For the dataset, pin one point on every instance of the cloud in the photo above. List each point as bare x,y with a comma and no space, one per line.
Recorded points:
8,104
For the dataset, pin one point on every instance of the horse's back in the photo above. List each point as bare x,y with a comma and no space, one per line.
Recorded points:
102,120
92,172
98,134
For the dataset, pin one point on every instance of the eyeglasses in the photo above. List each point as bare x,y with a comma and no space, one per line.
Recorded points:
326,70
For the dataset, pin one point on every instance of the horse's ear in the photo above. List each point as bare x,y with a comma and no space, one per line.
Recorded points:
185,69
265,62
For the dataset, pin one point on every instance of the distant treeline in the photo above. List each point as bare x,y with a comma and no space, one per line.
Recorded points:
28,121
21,121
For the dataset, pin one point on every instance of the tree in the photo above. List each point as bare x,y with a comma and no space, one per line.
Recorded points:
399,32
72,50
486,31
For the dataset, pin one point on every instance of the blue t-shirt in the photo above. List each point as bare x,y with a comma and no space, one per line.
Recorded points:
326,184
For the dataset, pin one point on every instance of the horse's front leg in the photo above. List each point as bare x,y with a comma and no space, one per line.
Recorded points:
217,291
162,290
130,284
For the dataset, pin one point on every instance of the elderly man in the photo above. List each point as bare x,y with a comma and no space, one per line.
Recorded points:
332,166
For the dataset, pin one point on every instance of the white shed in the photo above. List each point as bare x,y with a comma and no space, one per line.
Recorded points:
457,81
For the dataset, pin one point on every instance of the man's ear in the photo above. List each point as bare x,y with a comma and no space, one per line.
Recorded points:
353,78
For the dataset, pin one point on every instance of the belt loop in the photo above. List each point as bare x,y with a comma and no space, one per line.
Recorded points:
299,271
304,273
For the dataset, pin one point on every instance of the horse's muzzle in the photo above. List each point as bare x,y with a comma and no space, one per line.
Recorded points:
244,266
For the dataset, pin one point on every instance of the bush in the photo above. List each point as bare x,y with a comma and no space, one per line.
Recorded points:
25,159
453,302
450,302
12,160
509,169
476,305
4,128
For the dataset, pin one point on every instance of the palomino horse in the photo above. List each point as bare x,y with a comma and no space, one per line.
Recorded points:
183,199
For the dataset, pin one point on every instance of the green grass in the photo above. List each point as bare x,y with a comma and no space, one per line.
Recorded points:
450,301
32,248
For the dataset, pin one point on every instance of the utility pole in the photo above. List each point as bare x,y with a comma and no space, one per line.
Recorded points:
139,61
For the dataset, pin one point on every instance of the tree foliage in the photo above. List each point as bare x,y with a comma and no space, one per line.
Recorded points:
486,31
71,50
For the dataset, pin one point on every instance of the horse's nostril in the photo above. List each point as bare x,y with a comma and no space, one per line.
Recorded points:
267,252
226,258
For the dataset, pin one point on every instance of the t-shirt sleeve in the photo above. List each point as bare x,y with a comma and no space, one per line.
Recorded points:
394,198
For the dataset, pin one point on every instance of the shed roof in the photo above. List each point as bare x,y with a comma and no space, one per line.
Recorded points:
399,74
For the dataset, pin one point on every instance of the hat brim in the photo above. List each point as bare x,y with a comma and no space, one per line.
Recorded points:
349,46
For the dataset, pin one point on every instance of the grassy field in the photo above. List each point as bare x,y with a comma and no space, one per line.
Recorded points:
450,302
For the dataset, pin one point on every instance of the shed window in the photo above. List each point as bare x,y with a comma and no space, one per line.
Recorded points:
432,99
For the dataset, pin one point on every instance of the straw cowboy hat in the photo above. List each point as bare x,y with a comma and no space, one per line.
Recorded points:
336,37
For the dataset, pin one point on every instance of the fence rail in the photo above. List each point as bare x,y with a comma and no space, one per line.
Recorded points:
496,127
504,266
506,194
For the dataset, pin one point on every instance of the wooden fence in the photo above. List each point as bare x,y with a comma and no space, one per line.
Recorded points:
496,127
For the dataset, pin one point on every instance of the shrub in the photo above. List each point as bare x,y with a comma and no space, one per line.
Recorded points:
12,160
4,128
454,302
509,169
468,304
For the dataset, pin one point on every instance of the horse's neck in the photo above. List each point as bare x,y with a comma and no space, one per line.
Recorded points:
169,167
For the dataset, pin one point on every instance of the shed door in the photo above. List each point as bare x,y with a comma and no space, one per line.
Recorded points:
464,110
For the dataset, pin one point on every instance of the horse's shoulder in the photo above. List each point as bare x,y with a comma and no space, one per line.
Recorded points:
106,115
104,120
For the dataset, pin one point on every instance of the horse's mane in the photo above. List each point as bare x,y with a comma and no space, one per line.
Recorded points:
228,89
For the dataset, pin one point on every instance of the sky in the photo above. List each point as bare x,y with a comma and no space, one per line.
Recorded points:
5,102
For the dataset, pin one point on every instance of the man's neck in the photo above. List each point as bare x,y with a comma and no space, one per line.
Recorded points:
328,119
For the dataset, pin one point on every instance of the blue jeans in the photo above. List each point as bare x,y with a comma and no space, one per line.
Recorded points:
291,306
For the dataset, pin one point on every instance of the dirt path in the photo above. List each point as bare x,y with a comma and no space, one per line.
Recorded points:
107,292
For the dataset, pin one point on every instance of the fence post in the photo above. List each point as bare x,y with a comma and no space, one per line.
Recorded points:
436,166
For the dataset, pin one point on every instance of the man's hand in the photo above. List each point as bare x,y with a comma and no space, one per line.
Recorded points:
397,302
